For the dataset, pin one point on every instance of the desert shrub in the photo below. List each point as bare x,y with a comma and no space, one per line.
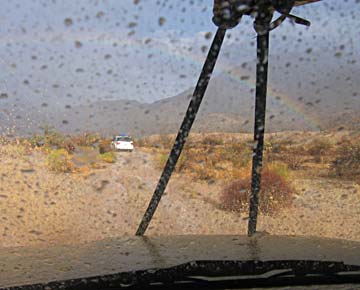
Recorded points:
140,142
204,171
108,157
59,160
54,139
212,141
239,154
164,141
273,146
347,162
86,139
318,148
183,162
37,140
105,146
273,151
275,194
161,159
296,149
191,141
145,142
4,140
69,146
292,156
268,146
280,168
293,160
50,139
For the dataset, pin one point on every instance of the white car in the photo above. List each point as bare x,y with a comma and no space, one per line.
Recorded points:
123,143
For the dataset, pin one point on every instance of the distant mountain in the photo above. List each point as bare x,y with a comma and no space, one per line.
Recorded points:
228,106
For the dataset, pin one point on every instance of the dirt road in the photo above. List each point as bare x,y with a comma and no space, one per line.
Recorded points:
41,207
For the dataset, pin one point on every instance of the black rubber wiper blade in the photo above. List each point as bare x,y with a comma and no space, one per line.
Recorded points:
244,269
245,274
274,274
217,274
283,278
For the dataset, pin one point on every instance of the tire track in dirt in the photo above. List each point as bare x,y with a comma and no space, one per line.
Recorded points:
139,176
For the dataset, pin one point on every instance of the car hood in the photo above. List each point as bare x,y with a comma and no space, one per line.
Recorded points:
41,265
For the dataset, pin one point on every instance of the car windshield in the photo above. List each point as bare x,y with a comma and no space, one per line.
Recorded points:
123,138
74,74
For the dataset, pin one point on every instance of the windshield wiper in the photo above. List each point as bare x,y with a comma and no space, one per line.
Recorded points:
227,15
218,275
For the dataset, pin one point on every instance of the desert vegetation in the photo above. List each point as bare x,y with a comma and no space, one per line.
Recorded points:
206,157
227,160
346,164
211,157
55,186
74,153
276,193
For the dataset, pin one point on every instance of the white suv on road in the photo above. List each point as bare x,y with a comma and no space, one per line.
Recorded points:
123,143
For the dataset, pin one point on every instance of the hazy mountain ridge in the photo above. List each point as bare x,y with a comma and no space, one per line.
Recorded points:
228,106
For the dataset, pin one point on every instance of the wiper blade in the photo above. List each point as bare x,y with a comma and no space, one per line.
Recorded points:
218,274
274,278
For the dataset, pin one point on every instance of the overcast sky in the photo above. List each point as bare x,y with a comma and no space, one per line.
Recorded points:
66,52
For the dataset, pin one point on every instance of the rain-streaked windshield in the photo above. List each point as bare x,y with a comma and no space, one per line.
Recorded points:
123,138
74,74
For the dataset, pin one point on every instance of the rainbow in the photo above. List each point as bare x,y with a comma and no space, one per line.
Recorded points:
290,103
154,46
295,108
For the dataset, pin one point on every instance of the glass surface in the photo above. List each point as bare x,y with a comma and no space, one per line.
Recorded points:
123,138
73,74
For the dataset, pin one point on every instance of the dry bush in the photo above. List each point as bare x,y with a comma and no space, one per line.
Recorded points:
204,162
140,142
275,194
292,156
37,141
160,160
280,168
239,154
105,146
283,151
181,165
273,146
86,139
165,141
108,157
68,146
293,160
205,169
203,172
59,160
319,148
191,141
298,149
160,141
212,141
52,139
145,142
4,140
347,162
